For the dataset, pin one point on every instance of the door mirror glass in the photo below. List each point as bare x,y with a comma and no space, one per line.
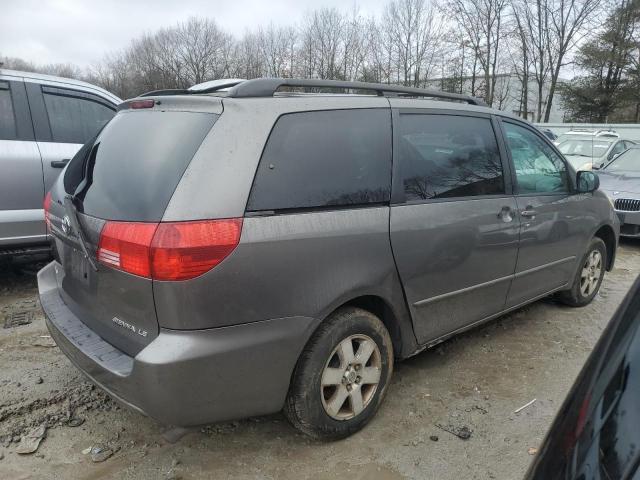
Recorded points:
587,182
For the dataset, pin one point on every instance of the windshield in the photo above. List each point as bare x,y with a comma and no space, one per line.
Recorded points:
629,161
585,148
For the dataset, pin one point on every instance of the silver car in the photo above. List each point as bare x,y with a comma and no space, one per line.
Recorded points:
44,120
592,153
226,254
621,181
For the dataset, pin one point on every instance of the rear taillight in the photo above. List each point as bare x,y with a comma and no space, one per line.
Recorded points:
168,251
184,250
47,208
126,246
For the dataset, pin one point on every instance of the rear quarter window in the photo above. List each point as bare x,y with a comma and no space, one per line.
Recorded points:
325,159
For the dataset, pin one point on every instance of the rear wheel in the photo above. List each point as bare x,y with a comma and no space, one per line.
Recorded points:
341,376
589,276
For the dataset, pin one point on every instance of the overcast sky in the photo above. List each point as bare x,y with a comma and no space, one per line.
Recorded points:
82,31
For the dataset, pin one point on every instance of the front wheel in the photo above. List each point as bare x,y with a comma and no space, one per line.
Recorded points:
589,277
341,376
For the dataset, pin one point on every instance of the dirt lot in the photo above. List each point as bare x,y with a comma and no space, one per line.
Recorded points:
474,381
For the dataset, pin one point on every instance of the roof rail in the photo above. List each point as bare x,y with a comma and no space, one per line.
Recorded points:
167,91
206,87
266,87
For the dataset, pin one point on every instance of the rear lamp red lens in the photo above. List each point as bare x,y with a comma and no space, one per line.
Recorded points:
168,251
47,208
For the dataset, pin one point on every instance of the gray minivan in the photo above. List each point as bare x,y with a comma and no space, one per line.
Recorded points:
236,253
44,120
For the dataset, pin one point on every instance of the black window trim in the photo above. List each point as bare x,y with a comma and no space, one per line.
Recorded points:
6,86
71,93
568,168
21,110
398,197
322,208
39,113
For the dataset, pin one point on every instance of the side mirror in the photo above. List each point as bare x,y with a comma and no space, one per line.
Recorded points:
587,181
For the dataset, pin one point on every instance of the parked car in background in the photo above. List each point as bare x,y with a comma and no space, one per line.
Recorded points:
586,151
595,436
587,133
548,133
620,179
44,120
270,262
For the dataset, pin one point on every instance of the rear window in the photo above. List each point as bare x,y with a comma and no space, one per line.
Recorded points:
325,159
132,168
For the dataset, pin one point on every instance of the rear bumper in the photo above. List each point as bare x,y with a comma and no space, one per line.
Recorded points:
189,377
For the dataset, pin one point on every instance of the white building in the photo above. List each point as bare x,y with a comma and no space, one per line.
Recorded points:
508,95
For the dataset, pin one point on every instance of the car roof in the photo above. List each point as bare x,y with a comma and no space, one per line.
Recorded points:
368,95
52,80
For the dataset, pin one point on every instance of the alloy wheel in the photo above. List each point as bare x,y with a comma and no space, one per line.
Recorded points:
590,275
350,377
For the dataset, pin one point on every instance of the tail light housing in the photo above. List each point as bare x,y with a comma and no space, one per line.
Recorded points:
47,208
168,250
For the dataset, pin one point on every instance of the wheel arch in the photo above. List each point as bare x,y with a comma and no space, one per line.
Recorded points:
608,236
395,318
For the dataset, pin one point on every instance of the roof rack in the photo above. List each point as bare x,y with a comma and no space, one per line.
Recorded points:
267,87
168,91
206,87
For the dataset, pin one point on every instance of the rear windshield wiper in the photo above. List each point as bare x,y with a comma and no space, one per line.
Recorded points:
72,213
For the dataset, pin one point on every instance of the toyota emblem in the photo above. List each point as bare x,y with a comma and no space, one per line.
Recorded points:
66,225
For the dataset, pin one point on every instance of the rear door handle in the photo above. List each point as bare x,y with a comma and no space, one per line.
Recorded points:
60,163
528,213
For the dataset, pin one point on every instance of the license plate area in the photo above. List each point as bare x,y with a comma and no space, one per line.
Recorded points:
621,217
77,267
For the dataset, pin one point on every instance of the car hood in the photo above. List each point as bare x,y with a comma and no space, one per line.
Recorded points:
580,162
622,181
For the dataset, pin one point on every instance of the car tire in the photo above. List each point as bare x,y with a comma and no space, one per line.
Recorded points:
588,277
341,376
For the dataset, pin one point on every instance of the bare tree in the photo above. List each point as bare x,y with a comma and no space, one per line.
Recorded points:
483,21
569,21
417,38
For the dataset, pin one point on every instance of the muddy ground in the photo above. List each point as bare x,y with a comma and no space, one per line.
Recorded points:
476,381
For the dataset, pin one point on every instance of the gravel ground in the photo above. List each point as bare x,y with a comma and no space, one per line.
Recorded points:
476,380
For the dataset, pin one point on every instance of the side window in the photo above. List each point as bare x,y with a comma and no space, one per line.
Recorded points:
74,119
448,156
618,148
324,159
7,115
538,168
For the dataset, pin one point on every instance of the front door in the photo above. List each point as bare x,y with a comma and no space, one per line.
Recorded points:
550,216
454,223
